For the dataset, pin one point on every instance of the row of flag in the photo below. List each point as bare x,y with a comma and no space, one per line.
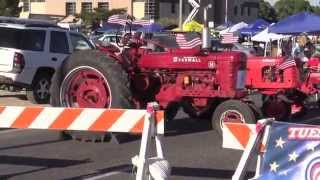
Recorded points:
228,38
119,19
184,44
286,64
181,40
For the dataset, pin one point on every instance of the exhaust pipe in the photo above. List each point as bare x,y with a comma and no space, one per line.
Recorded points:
206,44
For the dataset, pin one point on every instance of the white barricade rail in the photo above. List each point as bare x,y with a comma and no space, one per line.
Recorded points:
236,136
149,122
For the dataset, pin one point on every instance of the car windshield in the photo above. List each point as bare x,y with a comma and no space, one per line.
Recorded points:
22,39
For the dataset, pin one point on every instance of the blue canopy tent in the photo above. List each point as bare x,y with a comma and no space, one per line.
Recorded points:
254,28
224,26
304,22
154,27
135,27
113,28
109,28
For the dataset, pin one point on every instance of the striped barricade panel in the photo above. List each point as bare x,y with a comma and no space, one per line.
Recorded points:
237,135
81,119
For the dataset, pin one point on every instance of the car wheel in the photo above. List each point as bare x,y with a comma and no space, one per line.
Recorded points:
39,92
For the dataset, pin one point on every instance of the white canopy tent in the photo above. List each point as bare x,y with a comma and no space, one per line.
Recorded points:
234,28
265,36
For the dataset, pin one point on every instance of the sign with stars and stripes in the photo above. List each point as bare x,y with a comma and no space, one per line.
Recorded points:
292,152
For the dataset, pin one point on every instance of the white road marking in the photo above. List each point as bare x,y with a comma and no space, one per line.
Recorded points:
109,174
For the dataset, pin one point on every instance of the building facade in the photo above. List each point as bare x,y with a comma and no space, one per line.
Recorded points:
312,2
70,7
237,10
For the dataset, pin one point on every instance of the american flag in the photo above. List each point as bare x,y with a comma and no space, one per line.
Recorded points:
120,19
292,152
286,64
141,22
184,44
228,38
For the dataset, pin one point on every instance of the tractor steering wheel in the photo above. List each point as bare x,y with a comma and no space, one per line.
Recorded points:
124,39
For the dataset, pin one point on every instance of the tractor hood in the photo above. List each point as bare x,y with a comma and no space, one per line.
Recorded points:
188,59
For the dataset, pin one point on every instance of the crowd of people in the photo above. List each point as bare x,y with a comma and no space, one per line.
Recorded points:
302,47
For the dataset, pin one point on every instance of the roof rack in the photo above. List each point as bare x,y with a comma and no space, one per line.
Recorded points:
27,22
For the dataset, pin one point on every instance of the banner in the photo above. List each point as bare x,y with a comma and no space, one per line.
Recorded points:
292,152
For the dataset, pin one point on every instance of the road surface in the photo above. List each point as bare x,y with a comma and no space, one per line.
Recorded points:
191,146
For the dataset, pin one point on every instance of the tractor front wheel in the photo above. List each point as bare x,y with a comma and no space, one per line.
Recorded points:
234,111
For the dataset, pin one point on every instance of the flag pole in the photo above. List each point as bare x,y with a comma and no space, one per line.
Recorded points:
180,13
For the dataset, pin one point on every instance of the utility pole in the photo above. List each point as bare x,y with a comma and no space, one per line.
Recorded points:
226,14
29,7
205,34
180,13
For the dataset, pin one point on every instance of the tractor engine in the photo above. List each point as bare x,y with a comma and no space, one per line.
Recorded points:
191,75
266,73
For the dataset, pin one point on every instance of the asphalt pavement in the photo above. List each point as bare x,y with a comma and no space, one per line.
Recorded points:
191,146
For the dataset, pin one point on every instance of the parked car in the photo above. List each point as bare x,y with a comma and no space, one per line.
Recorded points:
218,46
31,51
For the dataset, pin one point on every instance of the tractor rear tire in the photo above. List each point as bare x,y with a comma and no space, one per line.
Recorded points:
171,111
199,113
232,111
94,72
279,110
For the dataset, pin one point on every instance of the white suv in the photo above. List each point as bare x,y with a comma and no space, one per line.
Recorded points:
30,52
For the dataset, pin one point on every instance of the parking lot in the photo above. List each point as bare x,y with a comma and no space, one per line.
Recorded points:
191,146
193,149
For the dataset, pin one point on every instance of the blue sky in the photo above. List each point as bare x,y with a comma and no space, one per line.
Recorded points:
312,2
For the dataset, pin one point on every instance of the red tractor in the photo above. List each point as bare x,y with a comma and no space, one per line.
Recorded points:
203,82
310,84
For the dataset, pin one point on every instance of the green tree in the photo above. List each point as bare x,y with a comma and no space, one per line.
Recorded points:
266,11
316,9
167,21
99,14
9,8
286,8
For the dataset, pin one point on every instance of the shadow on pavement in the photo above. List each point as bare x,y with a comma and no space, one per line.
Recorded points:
126,168
30,144
44,163
173,128
187,126
205,173
312,116
19,96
